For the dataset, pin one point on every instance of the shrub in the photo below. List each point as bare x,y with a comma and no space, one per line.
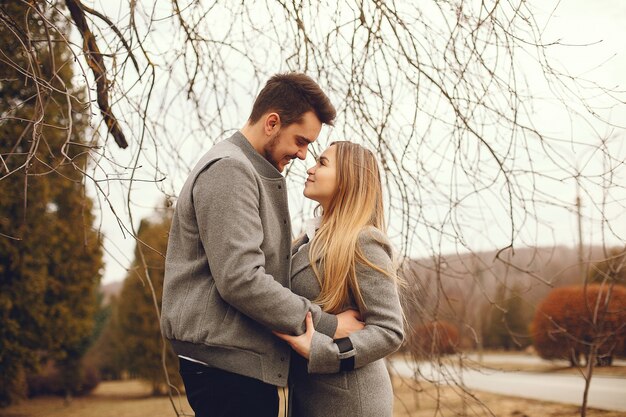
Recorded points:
54,379
571,320
434,338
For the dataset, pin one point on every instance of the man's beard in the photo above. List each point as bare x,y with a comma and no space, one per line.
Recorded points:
269,147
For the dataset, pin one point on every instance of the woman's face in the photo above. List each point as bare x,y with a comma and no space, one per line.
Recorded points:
321,183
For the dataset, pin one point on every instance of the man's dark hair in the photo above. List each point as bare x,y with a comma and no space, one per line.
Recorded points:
291,95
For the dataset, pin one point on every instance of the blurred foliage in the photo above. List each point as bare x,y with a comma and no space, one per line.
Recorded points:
50,256
50,379
131,342
612,269
505,324
434,339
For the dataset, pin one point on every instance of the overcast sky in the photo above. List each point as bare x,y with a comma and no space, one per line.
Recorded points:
599,25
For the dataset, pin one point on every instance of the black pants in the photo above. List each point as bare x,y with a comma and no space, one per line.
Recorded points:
212,392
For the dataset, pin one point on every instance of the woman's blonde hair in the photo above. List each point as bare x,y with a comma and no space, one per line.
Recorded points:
357,203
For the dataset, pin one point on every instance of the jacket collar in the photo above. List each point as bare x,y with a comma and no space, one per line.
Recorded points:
262,165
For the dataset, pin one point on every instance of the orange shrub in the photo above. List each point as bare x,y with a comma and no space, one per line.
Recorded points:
434,338
572,319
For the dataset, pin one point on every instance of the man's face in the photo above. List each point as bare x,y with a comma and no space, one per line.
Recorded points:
292,142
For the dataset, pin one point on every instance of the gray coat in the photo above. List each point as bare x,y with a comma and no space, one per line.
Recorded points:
227,267
317,387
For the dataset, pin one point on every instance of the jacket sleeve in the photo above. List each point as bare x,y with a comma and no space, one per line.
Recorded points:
226,203
383,333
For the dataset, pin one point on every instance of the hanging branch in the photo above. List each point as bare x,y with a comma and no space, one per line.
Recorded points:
96,63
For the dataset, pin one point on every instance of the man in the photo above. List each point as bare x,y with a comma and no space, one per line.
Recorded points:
229,257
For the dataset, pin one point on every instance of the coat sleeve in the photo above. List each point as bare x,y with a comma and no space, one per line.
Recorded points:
384,332
226,203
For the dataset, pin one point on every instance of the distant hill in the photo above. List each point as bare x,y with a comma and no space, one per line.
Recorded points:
460,286
528,268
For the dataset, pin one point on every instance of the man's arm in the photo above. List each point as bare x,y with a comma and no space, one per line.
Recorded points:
226,202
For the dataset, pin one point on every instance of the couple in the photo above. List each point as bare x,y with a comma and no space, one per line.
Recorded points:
239,298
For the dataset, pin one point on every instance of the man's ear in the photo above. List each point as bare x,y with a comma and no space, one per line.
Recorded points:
272,124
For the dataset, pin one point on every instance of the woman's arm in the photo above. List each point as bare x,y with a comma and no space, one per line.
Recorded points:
383,332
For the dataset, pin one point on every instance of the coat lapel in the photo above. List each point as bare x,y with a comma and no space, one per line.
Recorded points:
300,258
299,242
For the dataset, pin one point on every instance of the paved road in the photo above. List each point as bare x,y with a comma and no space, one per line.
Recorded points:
606,393
523,359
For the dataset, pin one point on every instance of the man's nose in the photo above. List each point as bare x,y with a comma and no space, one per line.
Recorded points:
301,154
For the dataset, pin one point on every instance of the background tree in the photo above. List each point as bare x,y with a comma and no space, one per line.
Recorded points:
611,269
495,334
573,321
506,320
50,256
107,354
136,333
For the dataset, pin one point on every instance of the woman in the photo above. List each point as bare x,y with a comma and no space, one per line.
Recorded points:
345,263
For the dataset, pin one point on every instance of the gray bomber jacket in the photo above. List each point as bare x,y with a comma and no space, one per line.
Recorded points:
227,267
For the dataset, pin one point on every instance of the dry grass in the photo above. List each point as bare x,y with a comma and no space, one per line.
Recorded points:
131,399
109,399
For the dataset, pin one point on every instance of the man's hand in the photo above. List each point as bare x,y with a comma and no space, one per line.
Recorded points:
348,322
301,344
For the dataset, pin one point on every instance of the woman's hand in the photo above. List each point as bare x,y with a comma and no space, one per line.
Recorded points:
301,344
348,322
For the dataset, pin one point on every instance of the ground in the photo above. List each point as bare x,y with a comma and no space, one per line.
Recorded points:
131,399
425,400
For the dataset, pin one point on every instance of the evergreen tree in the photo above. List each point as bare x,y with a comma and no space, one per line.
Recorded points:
494,330
517,319
507,321
50,258
136,328
107,354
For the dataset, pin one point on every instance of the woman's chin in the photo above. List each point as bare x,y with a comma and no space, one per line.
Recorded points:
309,196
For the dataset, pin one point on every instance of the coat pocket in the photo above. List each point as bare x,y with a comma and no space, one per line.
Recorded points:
338,380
